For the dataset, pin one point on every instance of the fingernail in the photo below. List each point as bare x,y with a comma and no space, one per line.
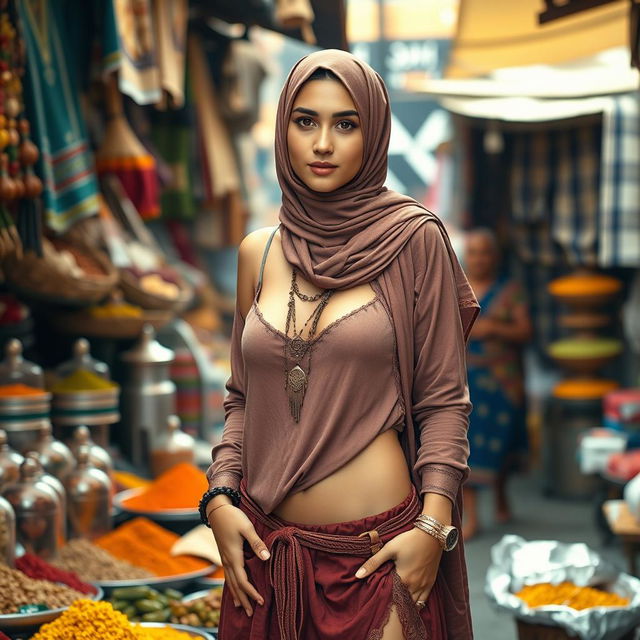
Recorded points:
249,613
360,572
264,554
236,604
261,602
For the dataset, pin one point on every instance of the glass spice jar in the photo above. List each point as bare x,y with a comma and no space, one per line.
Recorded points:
10,462
88,499
98,456
172,447
55,456
7,533
57,486
38,513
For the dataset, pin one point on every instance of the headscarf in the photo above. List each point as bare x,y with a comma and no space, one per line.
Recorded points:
348,236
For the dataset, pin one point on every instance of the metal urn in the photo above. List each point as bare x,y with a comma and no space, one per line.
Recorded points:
148,396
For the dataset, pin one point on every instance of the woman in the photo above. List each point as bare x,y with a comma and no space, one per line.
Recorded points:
497,430
352,310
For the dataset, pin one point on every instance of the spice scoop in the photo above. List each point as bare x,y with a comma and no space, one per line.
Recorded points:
198,542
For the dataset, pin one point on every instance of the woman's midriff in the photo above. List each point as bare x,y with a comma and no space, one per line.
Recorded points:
374,481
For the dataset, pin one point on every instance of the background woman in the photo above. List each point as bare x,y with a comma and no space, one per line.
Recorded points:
497,429
347,407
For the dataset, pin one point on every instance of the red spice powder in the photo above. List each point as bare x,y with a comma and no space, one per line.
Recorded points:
36,568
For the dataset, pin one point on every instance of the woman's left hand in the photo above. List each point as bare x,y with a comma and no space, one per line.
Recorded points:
417,557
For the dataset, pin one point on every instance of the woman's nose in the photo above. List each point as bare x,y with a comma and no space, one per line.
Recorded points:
323,142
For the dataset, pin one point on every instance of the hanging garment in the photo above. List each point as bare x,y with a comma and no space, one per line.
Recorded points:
52,98
243,74
555,182
121,154
139,75
219,168
619,224
170,21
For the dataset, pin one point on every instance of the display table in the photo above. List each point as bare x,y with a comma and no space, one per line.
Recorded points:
625,527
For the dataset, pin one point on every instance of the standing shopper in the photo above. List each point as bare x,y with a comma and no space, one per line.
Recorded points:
345,443
497,429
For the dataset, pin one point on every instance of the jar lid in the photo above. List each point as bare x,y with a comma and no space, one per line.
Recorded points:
148,350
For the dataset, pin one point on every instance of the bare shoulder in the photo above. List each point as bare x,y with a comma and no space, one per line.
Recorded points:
250,254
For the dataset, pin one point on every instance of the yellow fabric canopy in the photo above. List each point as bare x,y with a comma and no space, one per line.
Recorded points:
504,33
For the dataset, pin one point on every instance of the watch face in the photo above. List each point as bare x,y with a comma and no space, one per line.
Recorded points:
452,539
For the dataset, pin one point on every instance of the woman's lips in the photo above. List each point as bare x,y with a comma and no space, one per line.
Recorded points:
322,170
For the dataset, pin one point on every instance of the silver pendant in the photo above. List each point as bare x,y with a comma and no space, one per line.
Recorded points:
297,347
296,388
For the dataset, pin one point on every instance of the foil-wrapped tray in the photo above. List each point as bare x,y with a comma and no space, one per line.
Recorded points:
516,562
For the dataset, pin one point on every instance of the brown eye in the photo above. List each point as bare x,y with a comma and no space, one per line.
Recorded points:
346,125
304,121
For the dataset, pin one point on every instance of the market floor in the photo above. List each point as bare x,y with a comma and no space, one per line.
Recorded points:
536,517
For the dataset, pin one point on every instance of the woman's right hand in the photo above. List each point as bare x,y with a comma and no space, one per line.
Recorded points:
231,528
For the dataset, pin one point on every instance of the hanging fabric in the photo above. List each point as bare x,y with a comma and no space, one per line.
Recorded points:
222,187
170,21
619,225
555,182
139,75
122,154
58,129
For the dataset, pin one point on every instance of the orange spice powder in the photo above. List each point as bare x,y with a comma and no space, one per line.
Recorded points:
11,390
146,544
181,487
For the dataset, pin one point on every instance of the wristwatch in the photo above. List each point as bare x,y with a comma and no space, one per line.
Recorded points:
446,535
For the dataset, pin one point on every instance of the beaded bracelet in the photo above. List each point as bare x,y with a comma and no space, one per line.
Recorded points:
212,493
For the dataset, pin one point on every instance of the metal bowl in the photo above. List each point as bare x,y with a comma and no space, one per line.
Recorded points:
200,594
166,515
26,621
193,631
160,582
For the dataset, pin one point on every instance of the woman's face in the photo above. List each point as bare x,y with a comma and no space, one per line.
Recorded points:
324,136
480,257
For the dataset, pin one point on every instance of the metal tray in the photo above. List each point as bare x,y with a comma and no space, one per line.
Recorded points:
158,582
193,631
23,621
166,515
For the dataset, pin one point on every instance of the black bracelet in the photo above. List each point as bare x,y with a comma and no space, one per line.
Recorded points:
212,493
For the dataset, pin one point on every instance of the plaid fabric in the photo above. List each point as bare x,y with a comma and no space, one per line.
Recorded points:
619,221
555,181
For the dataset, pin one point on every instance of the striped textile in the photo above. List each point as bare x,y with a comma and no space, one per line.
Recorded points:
555,191
619,223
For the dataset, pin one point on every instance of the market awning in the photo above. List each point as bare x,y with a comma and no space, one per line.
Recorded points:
492,34
539,92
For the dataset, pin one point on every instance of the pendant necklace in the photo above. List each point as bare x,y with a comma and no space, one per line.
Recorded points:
296,347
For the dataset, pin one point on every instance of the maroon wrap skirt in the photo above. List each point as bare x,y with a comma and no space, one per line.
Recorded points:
309,586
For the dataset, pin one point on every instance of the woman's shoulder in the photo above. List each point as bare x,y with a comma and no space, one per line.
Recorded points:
429,238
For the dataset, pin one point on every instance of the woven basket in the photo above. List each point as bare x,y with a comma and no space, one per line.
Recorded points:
135,294
529,631
42,279
84,324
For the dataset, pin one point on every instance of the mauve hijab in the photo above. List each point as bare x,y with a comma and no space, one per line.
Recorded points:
346,237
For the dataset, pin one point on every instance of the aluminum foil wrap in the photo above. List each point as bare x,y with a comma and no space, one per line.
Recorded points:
515,562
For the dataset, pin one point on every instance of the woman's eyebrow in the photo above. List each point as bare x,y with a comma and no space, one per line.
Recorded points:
338,114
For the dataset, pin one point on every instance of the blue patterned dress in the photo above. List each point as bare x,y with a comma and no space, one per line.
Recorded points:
497,427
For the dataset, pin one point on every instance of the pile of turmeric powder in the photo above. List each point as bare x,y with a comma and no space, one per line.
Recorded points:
181,487
146,544
90,619
570,595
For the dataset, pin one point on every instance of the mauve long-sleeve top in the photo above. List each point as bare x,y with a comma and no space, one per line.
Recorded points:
353,393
